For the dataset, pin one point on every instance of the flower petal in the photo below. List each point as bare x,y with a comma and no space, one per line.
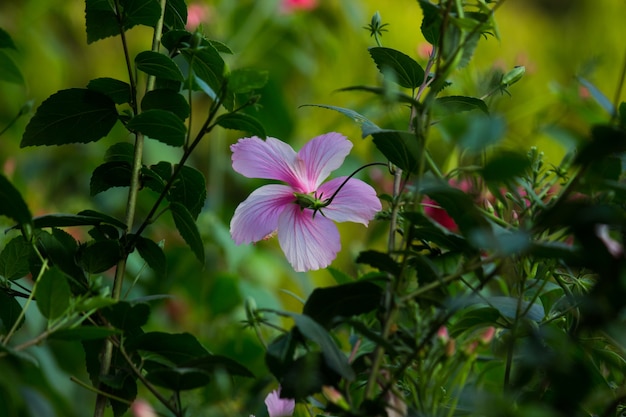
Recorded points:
355,202
279,407
321,156
308,242
257,216
269,159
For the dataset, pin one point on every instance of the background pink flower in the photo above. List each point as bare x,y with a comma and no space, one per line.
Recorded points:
309,239
279,407
290,6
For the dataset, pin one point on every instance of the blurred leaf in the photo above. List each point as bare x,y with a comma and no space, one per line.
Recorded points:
508,307
220,46
314,367
457,104
367,127
245,80
153,255
243,122
5,40
380,261
14,259
161,125
339,276
505,166
166,100
208,65
343,301
175,14
503,242
212,363
120,152
71,116
384,92
84,333
188,229
98,256
127,316
472,318
109,175
622,114
178,348
224,295
408,73
482,132
9,72
431,22
116,90
10,310
431,231
605,140
189,189
401,148
159,65
53,293
333,357
279,353
13,205
84,218
597,95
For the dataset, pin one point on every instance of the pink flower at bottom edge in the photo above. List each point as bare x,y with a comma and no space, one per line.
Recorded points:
309,238
279,407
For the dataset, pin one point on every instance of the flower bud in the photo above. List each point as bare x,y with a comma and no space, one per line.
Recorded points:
335,397
513,76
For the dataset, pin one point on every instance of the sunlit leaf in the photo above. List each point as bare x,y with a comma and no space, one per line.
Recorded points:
53,293
161,125
457,104
407,72
367,127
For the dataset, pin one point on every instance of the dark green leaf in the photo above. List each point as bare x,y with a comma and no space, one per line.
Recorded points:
508,307
457,104
188,229
431,23
120,152
380,261
109,175
318,374
606,140
84,218
9,72
505,166
10,310
221,47
161,125
99,256
152,180
13,206
166,100
224,295
401,148
127,316
189,189
153,255
141,12
175,14
208,66
245,80
212,363
279,353
243,122
622,114
71,116
367,127
431,231
84,333
473,318
14,259
60,248
407,72
53,293
176,348
100,20
5,40
159,65
116,90
333,357
176,39
502,242
342,301
179,378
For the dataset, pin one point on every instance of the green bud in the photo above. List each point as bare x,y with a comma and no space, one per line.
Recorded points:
513,76
310,201
196,40
376,20
251,313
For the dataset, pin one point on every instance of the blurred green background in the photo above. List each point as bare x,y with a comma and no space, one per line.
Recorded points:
309,55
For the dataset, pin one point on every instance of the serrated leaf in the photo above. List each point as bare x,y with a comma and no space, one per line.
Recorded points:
165,99
243,122
161,125
207,65
14,259
120,152
177,348
71,116
159,65
141,12
116,90
407,72
457,104
100,20
10,310
175,14
98,256
401,148
189,189
431,22
13,205
109,175
153,255
5,40
9,72
244,80
367,127
53,293
186,226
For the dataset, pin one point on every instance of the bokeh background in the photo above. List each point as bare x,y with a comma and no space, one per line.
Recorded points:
309,52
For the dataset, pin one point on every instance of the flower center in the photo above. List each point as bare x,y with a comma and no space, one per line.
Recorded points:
311,201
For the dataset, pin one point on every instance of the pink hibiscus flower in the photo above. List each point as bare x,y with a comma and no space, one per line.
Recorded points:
301,211
279,407
290,6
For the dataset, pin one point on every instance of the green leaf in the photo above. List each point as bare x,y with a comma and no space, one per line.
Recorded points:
100,20
161,125
212,363
5,40
207,65
333,357
9,72
53,293
71,116
84,218
175,14
188,229
224,295
474,132
606,140
98,256
14,259
502,242
380,261
120,152
176,348
245,80
457,104
189,189
13,206
153,255
141,12
60,248
116,90
165,99
10,310
243,122
384,92
318,374
127,316
342,301
401,148
508,307
109,175
367,127
178,378
622,114
159,65
598,96
407,72
176,39
505,166
84,333
431,22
